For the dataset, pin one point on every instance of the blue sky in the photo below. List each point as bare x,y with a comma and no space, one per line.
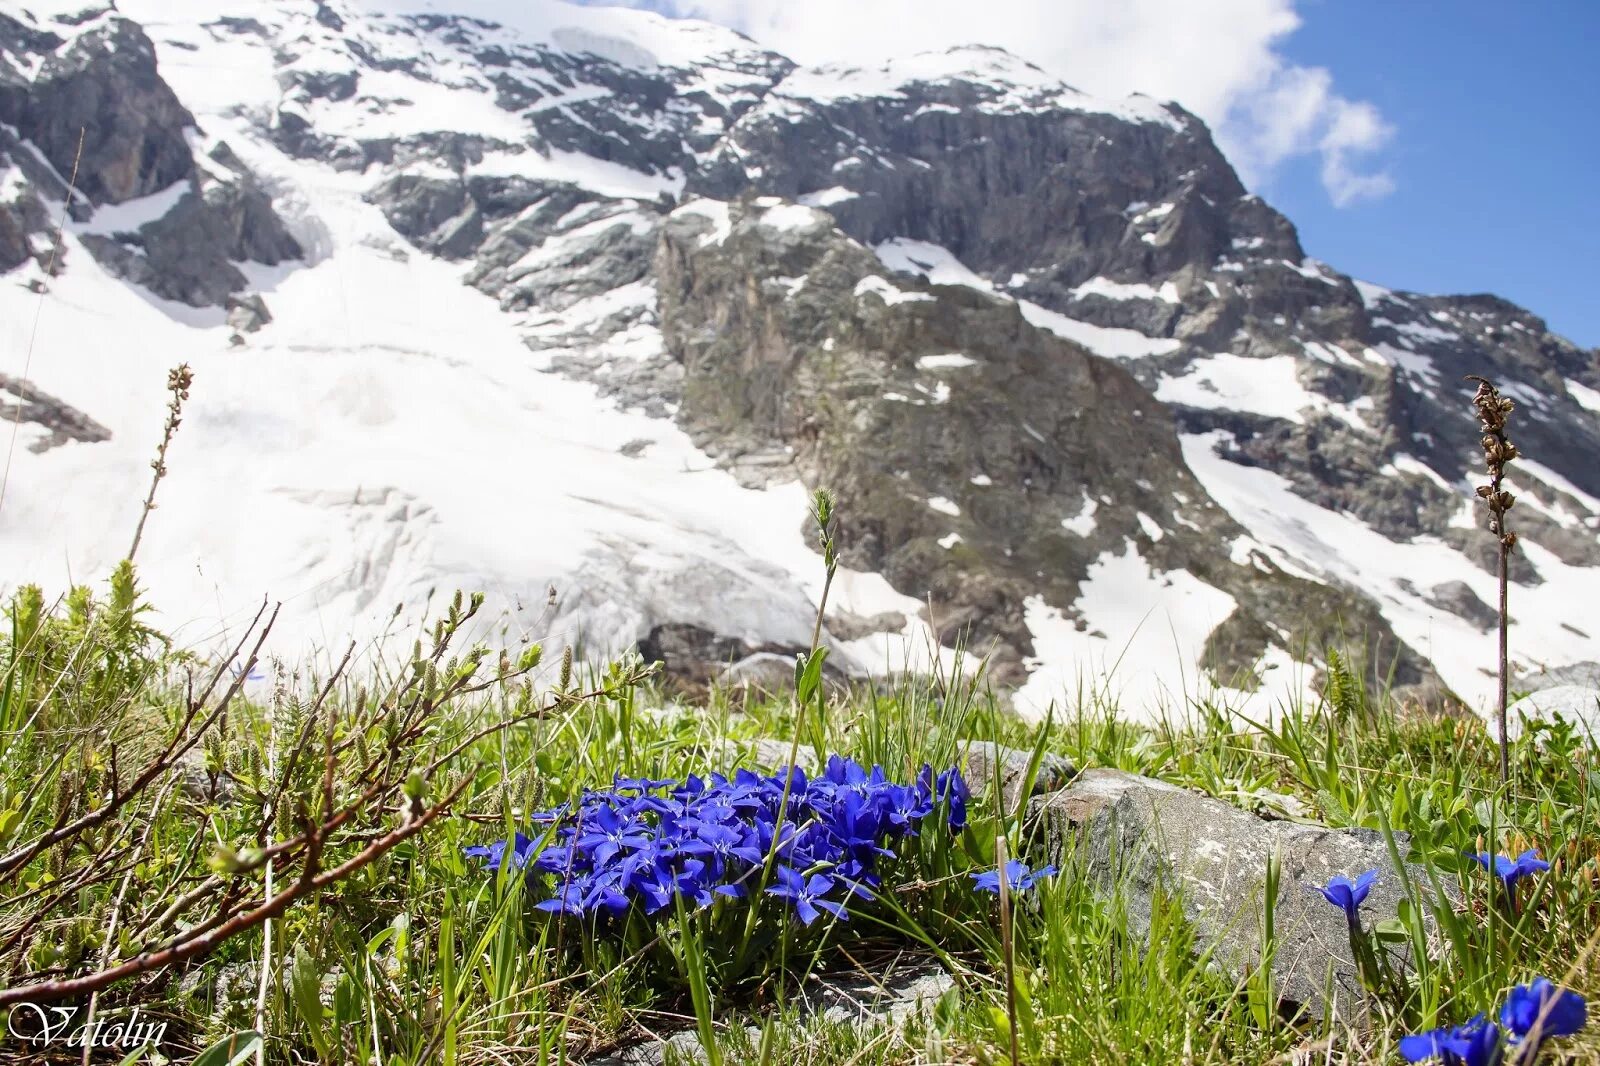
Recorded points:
1495,154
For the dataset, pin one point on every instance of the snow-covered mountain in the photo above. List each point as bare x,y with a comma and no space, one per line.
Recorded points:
575,314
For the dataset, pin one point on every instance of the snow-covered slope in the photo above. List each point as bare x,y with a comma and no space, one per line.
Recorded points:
586,303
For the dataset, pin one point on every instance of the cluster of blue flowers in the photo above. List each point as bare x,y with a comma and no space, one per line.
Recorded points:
1532,1014
649,843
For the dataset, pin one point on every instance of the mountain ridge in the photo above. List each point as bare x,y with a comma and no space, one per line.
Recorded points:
731,268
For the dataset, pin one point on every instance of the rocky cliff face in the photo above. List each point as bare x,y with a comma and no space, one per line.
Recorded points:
1083,395
93,124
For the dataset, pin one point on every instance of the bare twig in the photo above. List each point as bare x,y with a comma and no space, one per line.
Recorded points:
192,945
179,378
1494,411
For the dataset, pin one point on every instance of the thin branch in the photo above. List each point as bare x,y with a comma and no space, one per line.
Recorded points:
175,750
189,947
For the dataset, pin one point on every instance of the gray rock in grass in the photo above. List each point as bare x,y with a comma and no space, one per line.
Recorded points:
985,761
864,1000
1142,837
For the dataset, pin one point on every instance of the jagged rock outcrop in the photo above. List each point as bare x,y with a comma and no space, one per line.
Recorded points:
51,421
97,113
101,90
973,436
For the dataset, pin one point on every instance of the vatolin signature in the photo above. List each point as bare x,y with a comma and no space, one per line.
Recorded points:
44,1026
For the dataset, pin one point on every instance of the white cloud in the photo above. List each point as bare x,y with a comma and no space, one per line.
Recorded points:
1220,59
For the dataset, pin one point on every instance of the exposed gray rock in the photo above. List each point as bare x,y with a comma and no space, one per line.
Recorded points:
1586,674
765,671
1578,705
103,85
845,625
188,254
765,753
247,313
997,449
1458,598
23,403
900,993
1140,836
986,764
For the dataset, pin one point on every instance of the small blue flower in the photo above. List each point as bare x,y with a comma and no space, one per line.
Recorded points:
1477,1043
495,853
1018,877
1348,895
1510,871
952,788
806,894
1543,1007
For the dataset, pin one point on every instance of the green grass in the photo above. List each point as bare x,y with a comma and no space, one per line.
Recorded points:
419,957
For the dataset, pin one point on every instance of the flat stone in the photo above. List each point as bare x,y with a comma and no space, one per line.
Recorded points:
1577,704
871,1000
865,1001
984,761
1139,836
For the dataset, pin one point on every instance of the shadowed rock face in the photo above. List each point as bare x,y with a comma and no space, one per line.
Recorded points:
1140,838
97,114
101,87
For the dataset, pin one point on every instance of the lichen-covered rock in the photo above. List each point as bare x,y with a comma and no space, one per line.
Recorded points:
1140,838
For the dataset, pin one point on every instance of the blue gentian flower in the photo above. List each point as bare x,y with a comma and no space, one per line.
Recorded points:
646,843
952,789
806,894
1019,878
1477,1043
1542,1006
608,833
1348,895
1510,871
571,898
495,853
